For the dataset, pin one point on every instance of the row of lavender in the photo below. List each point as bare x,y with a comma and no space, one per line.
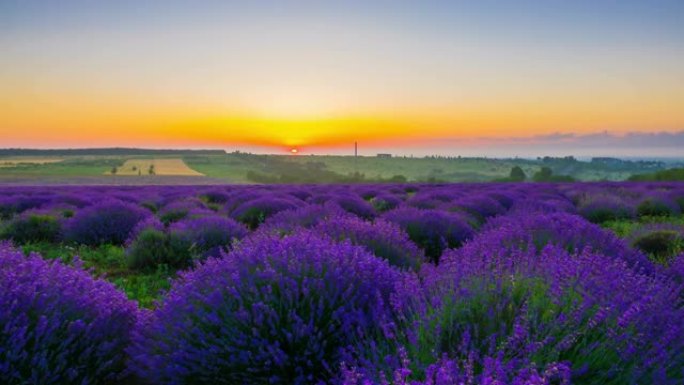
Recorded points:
404,284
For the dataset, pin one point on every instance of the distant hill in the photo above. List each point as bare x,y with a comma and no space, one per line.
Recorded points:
113,151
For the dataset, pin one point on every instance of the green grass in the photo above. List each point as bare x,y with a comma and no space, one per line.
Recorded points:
624,228
69,167
233,167
109,262
229,167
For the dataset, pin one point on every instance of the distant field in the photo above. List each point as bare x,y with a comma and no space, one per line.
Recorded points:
161,166
15,161
236,167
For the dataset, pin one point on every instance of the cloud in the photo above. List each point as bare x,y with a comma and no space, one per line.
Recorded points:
606,139
632,144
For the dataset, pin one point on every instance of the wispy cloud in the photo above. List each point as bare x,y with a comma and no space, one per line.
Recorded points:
632,144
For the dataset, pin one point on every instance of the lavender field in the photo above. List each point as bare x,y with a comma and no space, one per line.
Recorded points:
511,283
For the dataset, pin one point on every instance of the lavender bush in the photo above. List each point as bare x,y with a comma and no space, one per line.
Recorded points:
657,205
549,317
384,239
280,311
431,230
59,325
255,212
207,235
324,284
107,222
33,227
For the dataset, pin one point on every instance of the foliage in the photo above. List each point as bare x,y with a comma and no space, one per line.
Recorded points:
32,227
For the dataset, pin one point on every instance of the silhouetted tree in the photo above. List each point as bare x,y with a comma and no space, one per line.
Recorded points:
543,175
517,174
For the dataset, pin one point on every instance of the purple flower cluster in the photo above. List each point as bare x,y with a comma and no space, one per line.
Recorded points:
384,239
439,284
598,209
58,324
286,311
513,232
107,222
608,321
306,217
432,230
255,212
208,235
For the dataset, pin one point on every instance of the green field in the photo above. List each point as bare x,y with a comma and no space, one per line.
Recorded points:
236,167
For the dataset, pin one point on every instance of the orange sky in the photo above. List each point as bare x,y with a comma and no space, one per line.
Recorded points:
328,77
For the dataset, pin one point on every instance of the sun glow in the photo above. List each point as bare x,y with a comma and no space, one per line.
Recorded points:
294,151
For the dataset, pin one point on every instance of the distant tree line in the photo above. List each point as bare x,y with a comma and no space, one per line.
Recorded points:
545,174
115,151
276,170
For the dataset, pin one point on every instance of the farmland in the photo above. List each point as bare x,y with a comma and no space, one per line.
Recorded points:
132,166
20,160
508,283
154,166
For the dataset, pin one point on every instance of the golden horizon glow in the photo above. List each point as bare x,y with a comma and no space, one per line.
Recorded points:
80,121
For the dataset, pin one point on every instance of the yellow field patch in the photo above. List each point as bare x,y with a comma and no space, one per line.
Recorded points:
163,166
16,160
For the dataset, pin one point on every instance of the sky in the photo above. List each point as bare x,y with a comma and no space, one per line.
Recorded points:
420,77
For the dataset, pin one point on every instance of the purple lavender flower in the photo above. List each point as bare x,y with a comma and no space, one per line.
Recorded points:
481,207
520,231
657,205
16,204
431,230
385,202
255,212
279,311
149,223
107,222
384,239
33,226
208,235
661,241
355,205
59,325
287,221
180,209
602,208
533,309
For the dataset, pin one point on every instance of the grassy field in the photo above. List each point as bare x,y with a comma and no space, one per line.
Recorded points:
234,167
108,262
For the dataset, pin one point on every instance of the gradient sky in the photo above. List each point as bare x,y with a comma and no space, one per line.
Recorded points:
405,76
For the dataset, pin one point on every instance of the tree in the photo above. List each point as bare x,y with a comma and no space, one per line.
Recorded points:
517,174
543,175
398,179
151,170
114,170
